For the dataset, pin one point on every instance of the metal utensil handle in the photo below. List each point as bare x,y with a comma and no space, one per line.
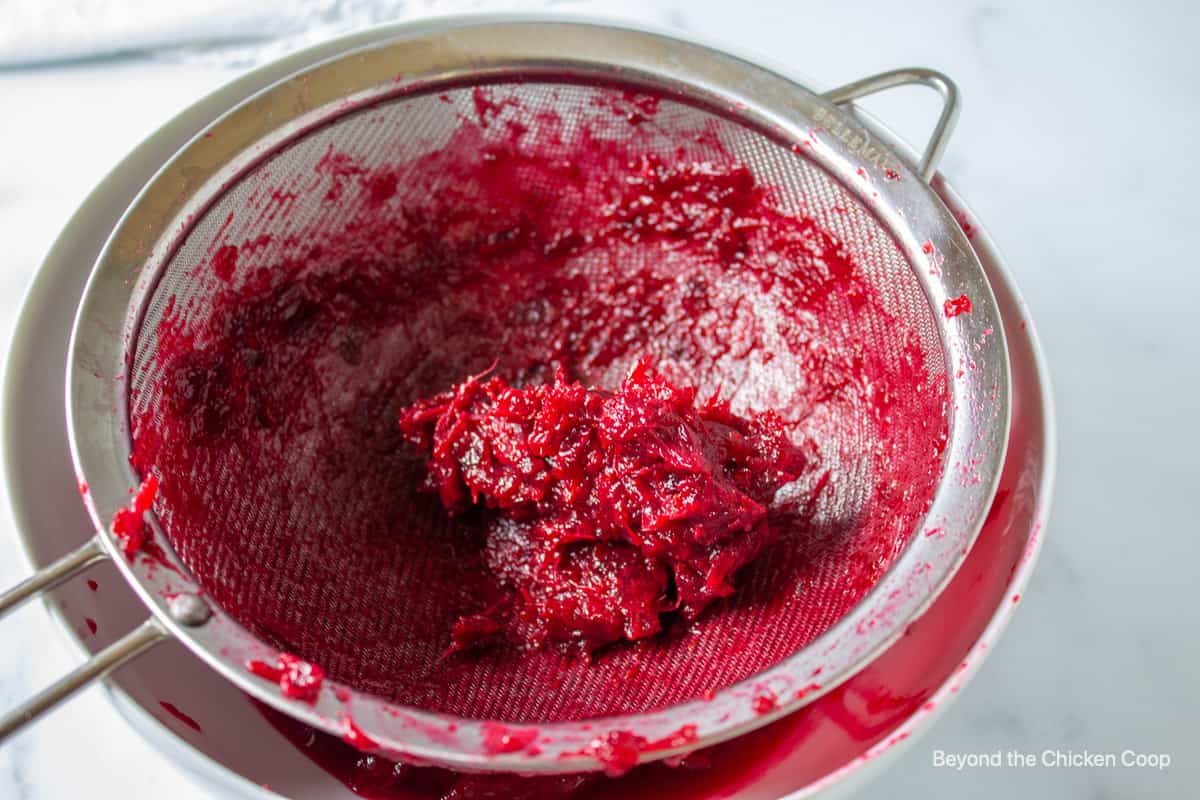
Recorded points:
911,76
132,644
51,576
137,641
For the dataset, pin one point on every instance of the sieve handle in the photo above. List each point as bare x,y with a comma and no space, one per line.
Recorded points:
911,76
49,577
132,644
139,640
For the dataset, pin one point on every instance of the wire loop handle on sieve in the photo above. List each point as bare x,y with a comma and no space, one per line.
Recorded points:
129,646
911,76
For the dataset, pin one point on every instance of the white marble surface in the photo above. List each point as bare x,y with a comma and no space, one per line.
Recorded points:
1077,149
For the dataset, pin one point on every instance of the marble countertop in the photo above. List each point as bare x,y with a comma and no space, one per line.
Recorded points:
1074,148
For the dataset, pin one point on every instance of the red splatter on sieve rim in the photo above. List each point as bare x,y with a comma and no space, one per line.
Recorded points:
388,99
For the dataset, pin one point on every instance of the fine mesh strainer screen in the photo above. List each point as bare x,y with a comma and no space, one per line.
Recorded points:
386,256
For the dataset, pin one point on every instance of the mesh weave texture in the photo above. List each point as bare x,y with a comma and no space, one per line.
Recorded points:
306,523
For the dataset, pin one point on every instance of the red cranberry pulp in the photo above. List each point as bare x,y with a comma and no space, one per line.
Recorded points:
297,678
613,507
683,381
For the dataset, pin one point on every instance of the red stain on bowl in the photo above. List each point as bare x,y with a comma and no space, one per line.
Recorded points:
174,711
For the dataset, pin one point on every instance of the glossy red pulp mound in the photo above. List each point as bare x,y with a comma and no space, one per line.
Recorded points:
957,305
297,678
334,298
129,524
614,507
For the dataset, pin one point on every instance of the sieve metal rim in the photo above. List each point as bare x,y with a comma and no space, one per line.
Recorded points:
129,248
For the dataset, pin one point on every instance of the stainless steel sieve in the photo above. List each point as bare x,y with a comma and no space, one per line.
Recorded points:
805,142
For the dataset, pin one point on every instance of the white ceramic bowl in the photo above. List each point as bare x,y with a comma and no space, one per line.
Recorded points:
237,752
